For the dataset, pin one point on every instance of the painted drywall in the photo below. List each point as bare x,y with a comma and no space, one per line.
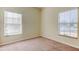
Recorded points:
30,20
50,26
36,23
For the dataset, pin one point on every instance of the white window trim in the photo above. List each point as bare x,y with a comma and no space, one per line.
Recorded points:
19,33
68,35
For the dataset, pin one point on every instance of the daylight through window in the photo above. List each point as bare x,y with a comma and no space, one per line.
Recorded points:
12,23
68,22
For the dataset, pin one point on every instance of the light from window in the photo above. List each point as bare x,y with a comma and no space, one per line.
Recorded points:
68,22
12,23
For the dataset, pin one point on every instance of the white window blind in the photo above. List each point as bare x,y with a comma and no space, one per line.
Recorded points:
68,22
12,23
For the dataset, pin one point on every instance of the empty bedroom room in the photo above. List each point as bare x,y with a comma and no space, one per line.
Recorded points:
39,29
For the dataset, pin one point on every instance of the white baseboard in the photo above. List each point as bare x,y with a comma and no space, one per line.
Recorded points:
17,41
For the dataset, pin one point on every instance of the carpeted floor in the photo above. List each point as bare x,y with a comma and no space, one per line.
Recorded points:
37,44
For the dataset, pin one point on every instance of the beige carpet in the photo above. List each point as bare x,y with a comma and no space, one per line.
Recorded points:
37,44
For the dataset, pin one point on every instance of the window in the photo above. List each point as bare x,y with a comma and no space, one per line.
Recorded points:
12,23
68,22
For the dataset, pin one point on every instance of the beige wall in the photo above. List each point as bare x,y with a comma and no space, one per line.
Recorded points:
38,22
50,26
31,24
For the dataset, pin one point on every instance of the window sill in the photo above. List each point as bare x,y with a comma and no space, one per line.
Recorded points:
11,35
68,36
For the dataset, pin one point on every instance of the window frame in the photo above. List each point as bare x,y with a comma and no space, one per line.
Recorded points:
66,35
19,24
